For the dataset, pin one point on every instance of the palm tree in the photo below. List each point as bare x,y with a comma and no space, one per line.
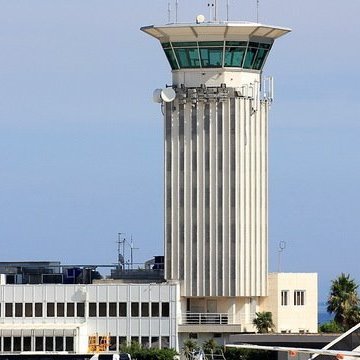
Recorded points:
263,322
344,302
189,346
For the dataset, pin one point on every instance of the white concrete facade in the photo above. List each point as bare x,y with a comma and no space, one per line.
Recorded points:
64,317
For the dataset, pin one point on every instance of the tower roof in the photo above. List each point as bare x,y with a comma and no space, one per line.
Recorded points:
215,30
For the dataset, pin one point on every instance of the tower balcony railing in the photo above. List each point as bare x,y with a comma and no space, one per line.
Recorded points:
206,319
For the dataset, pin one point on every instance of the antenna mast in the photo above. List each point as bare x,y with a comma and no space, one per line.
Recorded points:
227,10
257,10
169,13
176,10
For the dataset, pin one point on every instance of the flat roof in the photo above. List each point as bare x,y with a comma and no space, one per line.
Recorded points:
219,30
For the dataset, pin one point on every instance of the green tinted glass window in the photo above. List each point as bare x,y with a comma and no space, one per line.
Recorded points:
236,43
211,43
184,44
260,58
249,58
171,58
188,58
265,46
166,45
211,57
234,56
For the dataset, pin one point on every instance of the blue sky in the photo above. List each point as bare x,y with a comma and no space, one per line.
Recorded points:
81,140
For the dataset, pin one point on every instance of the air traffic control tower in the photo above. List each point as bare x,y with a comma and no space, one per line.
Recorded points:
216,156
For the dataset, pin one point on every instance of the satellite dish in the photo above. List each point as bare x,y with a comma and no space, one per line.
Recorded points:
157,96
200,19
168,94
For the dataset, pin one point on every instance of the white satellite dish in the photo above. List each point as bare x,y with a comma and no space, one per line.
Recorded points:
157,96
168,94
200,19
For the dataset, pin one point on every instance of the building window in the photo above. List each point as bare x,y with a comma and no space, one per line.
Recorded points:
155,309
102,309
112,309
39,343
7,343
122,309
8,309
112,345
49,343
299,297
69,343
284,297
193,335
17,343
155,342
70,309
38,310
28,309
60,309
134,309
122,341
92,309
50,309
27,343
165,309
59,343
18,310
80,309
144,309
165,342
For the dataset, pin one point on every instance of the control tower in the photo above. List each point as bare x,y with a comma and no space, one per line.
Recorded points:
216,156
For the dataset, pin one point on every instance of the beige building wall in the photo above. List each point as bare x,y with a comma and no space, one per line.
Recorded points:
293,301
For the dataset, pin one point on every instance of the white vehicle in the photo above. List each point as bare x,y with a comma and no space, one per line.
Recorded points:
105,356
346,346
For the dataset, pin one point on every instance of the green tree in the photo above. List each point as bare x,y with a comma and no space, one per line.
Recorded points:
330,327
344,301
263,322
188,347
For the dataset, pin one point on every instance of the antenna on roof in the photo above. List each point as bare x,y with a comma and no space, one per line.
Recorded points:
169,13
227,10
176,10
257,10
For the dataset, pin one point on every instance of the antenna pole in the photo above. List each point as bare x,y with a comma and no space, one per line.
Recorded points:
215,10
169,12
227,10
257,10
176,10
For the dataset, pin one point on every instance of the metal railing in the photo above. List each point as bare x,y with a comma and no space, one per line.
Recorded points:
206,319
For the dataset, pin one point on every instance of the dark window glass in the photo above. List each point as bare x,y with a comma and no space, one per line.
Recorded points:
134,309
211,57
234,56
39,344
60,309
112,309
38,310
59,343
92,309
122,340
184,44
112,346
27,343
188,58
70,309
8,309
17,343
165,309
50,309
154,309
80,309
171,58
249,59
155,342
236,43
18,309
135,339
122,309
49,343
102,309
260,58
145,342
211,43
7,343
165,342
28,309
69,343
145,309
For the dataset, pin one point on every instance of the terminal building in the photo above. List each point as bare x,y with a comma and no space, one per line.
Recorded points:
215,279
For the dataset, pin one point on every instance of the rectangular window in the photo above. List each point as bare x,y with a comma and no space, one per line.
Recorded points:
144,309
122,341
155,342
27,343
39,343
165,342
69,343
28,309
38,310
112,309
299,297
134,309
284,297
8,309
102,309
112,346
70,309
17,344
50,309
18,309
7,343
135,339
145,342
60,309
49,343
92,309
165,309
59,343
154,309
80,309
122,309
